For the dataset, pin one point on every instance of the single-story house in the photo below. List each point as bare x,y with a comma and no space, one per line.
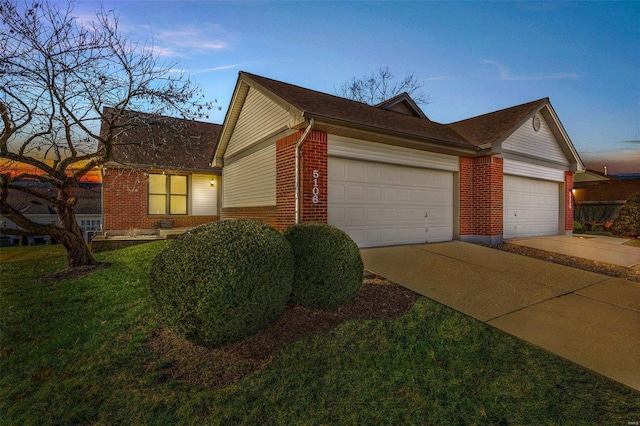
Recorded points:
88,211
387,174
160,175
598,202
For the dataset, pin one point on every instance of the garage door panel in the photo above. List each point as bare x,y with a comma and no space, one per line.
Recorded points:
531,207
337,214
373,194
390,208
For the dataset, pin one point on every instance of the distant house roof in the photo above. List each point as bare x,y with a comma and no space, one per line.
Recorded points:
605,191
165,143
592,175
88,195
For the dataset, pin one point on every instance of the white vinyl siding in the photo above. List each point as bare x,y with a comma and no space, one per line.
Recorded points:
383,204
520,168
541,144
339,146
251,181
204,201
260,117
531,207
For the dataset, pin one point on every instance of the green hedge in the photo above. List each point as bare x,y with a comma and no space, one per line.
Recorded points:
328,266
627,224
222,281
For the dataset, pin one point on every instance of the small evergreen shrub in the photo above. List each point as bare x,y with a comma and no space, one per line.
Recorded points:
328,266
222,281
627,224
578,228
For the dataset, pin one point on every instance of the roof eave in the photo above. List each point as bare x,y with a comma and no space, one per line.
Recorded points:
154,167
442,145
576,162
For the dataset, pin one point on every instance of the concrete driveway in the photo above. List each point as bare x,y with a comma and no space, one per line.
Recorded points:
594,247
590,319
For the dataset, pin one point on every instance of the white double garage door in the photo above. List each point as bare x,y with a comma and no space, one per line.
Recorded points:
382,195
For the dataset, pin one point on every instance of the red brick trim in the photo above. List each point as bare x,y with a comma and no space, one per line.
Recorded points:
568,202
313,158
481,199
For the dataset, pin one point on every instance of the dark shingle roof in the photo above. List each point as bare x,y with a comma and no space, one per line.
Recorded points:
88,195
321,105
492,127
166,142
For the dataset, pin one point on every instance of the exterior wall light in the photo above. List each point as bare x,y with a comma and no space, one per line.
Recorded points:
213,182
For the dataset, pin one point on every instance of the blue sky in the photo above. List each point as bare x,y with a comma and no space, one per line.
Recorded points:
472,57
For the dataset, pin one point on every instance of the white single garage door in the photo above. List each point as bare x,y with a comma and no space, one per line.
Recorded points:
383,204
531,207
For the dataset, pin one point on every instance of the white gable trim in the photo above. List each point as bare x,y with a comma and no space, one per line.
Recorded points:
571,159
537,144
236,107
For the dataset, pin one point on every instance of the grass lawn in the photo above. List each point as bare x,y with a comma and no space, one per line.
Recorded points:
633,243
78,352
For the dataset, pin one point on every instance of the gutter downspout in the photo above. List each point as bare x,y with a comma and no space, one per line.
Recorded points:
297,168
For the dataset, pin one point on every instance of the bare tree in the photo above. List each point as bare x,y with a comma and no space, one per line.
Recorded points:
379,86
58,75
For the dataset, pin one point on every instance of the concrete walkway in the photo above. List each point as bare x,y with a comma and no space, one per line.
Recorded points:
590,319
595,247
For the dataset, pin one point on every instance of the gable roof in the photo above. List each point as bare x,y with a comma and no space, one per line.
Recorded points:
385,122
404,104
332,112
490,130
322,106
165,143
495,126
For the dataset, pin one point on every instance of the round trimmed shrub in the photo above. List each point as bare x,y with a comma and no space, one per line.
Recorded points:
222,281
578,228
328,266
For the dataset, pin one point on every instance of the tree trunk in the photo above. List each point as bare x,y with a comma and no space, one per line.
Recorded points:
78,253
69,233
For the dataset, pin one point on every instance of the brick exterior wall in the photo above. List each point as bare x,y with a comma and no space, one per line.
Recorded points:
481,199
568,202
285,180
466,197
125,203
313,158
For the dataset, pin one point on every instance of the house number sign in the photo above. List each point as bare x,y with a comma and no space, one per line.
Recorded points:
315,191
